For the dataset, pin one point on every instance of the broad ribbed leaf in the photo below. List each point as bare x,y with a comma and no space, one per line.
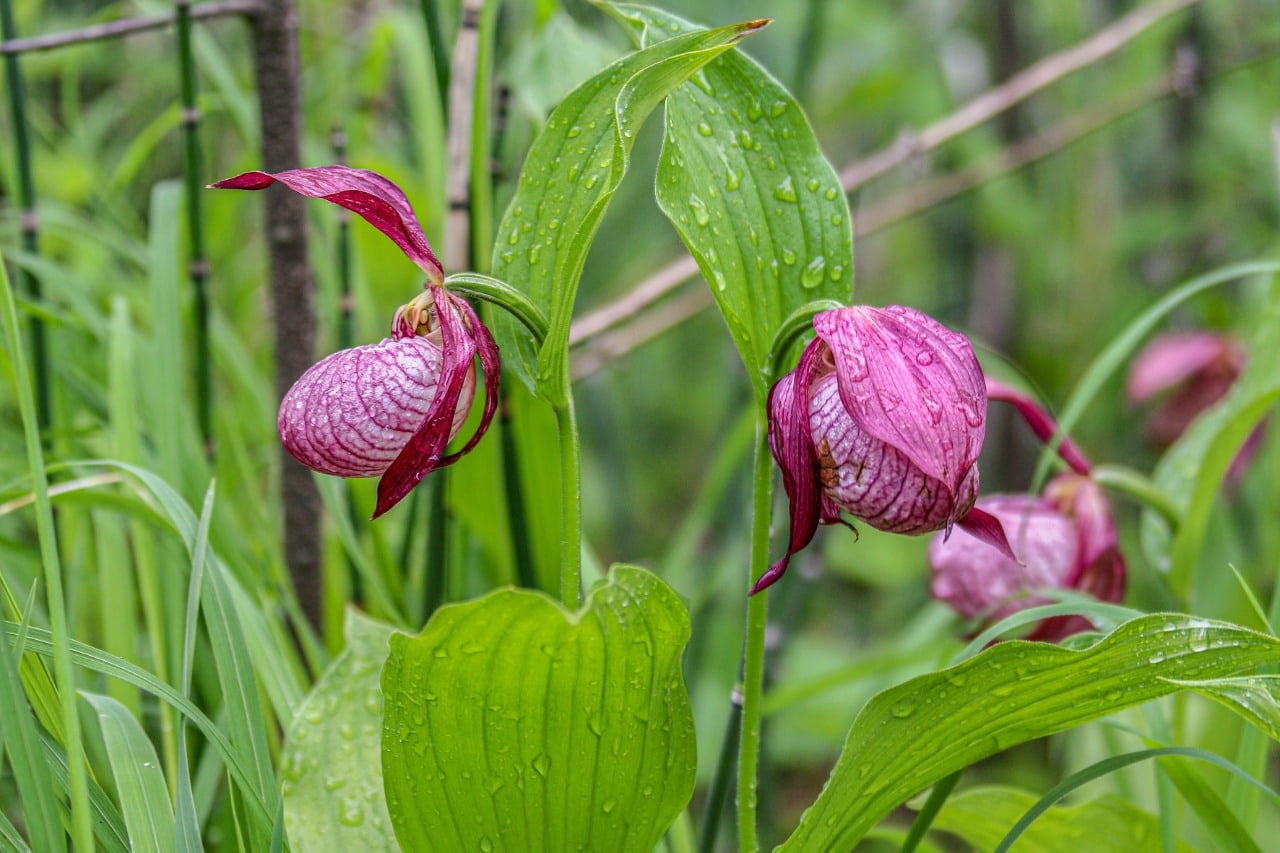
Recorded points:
982,816
140,785
331,779
910,736
567,181
744,182
512,724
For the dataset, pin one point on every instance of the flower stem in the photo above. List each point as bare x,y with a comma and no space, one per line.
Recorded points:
757,613
723,773
571,501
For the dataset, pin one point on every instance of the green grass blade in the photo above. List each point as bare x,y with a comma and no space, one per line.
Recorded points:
19,735
82,830
1109,765
108,826
140,786
1124,345
40,641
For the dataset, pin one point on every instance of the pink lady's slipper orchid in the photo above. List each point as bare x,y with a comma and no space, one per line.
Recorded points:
388,408
1064,539
883,418
1191,371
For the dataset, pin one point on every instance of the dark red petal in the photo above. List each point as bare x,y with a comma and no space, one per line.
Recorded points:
985,526
1041,423
912,383
423,453
378,200
489,364
792,446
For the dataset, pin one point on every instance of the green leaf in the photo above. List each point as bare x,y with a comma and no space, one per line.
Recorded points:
18,736
745,184
910,736
1255,697
331,781
143,796
568,179
981,817
512,724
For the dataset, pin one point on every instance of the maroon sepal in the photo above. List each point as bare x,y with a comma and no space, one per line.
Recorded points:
368,194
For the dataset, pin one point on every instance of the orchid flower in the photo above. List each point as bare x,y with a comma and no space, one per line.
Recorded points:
1064,539
1190,372
389,408
883,418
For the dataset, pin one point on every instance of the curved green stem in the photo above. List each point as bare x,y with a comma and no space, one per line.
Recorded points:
798,323
1140,488
490,289
571,503
753,663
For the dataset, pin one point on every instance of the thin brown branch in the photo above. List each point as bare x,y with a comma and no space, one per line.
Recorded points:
986,106
877,216
462,83
1016,89
128,26
613,345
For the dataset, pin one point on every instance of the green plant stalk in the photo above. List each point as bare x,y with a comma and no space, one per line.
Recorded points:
198,265
437,544
439,46
753,655
81,817
570,500
720,779
26,198
924,818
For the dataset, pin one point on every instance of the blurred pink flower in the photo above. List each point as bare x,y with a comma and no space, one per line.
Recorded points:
388,408
883,418
1065,539
1195,370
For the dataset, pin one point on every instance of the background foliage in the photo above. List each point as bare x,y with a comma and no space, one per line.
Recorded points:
1043,267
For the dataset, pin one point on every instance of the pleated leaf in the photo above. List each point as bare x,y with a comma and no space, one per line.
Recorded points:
744,182
331,778
512,724
910,736
567,181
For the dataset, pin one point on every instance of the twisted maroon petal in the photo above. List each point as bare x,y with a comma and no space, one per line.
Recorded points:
375,198
912,383
792,447
1041,423
487,349
985,527
424,452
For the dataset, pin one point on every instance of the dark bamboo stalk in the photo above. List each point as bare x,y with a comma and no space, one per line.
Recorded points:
198,263
27,282
275,49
